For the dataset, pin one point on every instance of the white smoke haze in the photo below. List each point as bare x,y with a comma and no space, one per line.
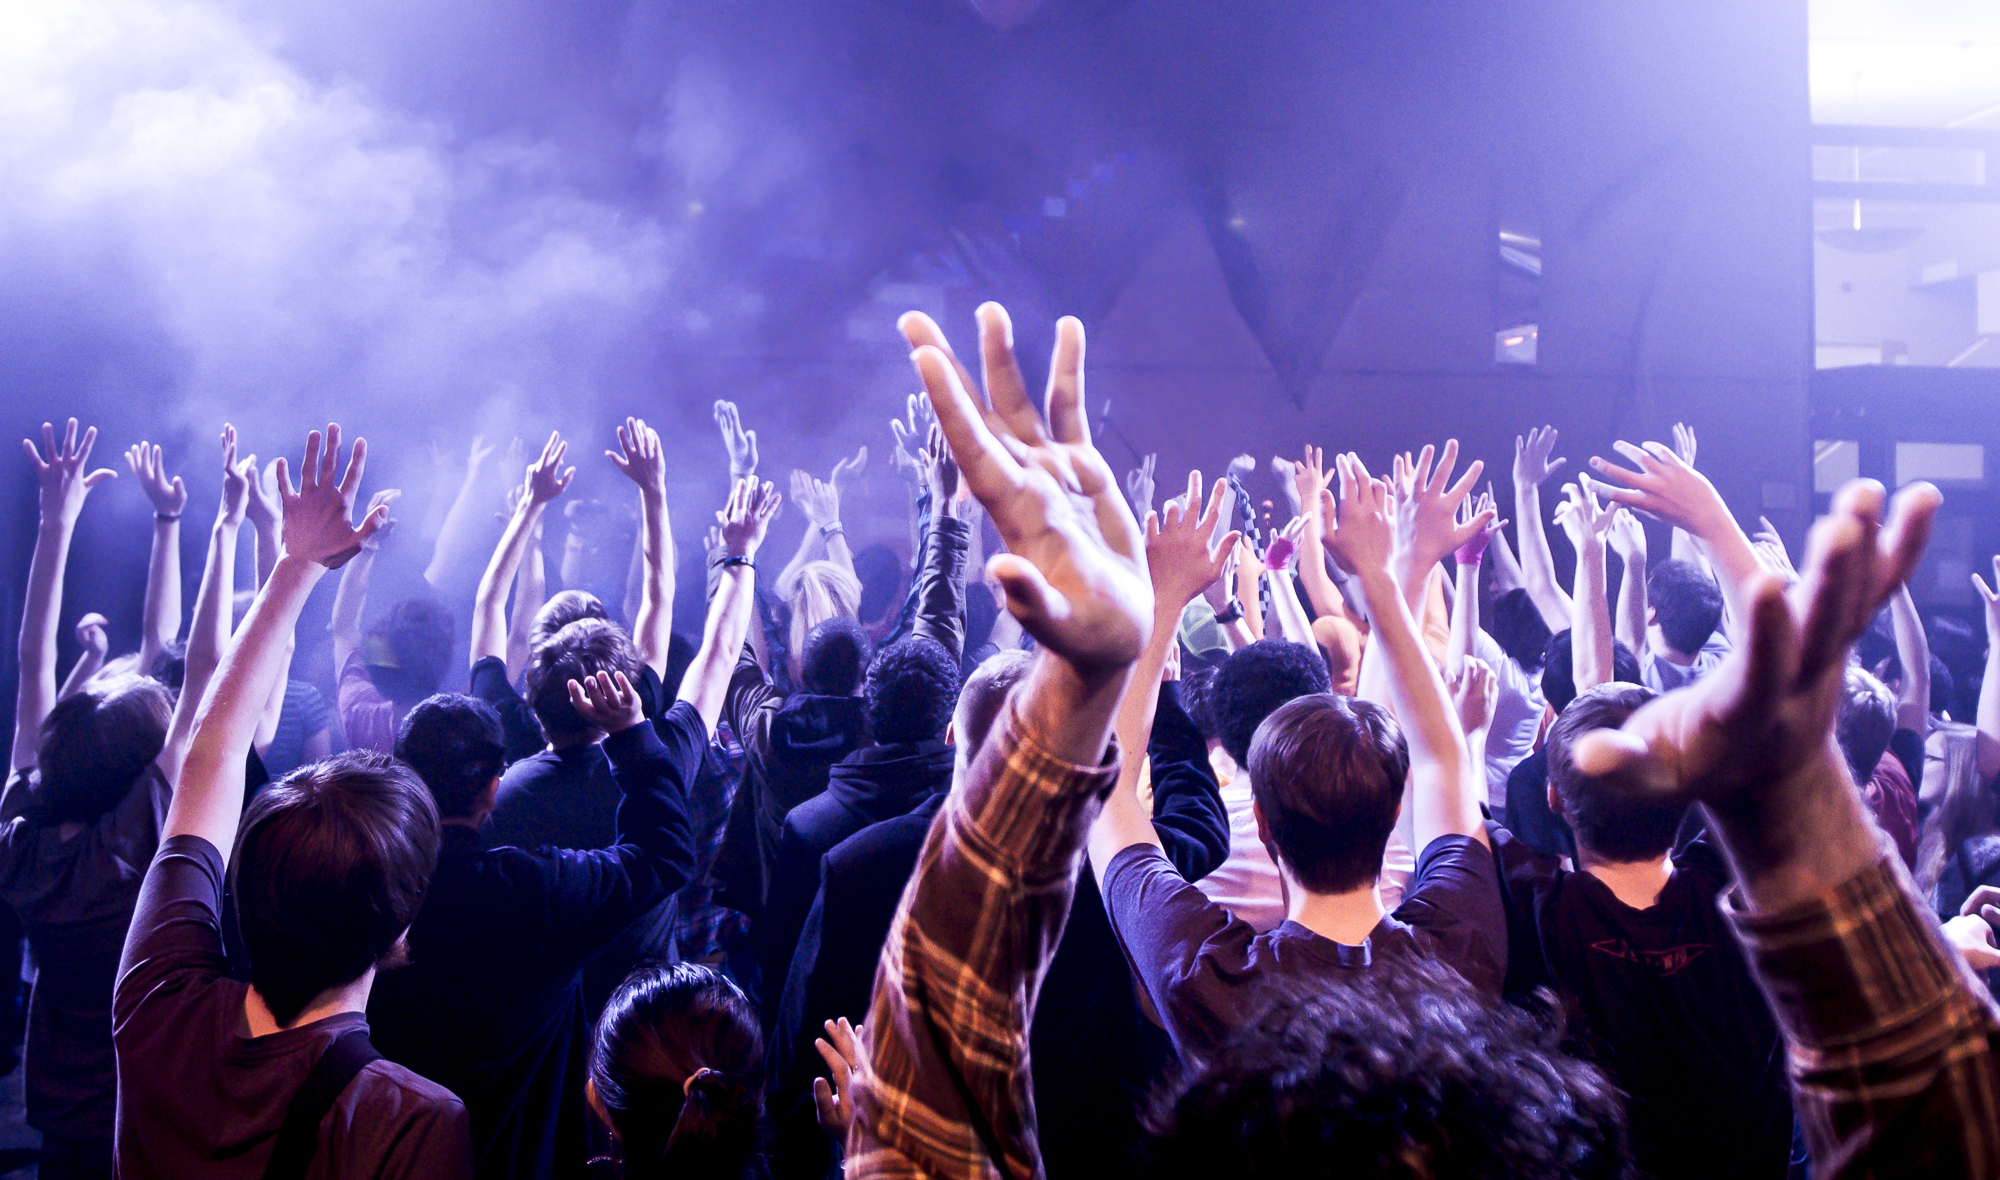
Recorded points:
296,246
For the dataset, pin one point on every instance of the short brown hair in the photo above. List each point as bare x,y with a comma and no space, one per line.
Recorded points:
96,743
1327,772
1619,824
581,649
331,866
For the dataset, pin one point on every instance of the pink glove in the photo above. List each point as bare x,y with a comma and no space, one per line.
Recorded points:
1470,552
1279,554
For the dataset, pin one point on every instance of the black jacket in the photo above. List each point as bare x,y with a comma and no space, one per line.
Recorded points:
1095,1053
492,1004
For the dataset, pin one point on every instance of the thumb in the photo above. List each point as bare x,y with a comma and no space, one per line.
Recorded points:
100,475
1030,598
373,523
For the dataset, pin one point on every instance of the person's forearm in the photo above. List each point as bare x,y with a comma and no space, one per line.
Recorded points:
1631,628
208,637
1292,621
1538,564
265,546
161,616
531,590
1685,549
1320,590
1249,580
36,693
349,601
274,705
1123,821
1464,617
489,609
208,800
1591,657
1071,711
1506,570
87,665
838,553
653,627
457,536
730,614
1913,651
809,547
1736,569
1988,738
1799,838
1442,799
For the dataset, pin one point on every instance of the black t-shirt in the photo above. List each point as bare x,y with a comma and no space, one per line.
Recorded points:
196,1097
520,733
1207,971
1663,1000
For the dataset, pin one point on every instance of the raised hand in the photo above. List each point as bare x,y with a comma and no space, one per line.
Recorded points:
1532,464
1470,510
639,456
1627,535
93,633
1427,529
1991,597
262,505
740,443
608,701
546,478
1140,486
940,472
1583,516
1475,693
1752,739
236,479
847,472
317,510
1309,479
1666,488
1366,534
61,475
910,432
818,499
834,1100
1075,569
1180,557
744,520
168,494
385,500
1684,443
479,455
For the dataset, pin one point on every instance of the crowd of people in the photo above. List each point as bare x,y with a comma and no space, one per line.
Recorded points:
1105,835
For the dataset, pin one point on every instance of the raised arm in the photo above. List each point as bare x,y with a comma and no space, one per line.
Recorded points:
266,517
1465,591
1532,467
351,600
1913,652
208,636
1628,540
458,535
1428,525
1293,624
531,591
1685,548
937,595
1586,519
95,640
1182,562
1443,796
64,485
1665,487
546,479
733,608
640,458
1140,486
1988,719
161,619
208,800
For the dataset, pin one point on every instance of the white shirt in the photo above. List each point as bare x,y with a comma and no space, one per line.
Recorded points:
1663,675
1517,717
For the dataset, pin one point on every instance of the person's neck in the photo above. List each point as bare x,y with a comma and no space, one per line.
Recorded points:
589,739
1348,917
462,821
1636,883
348,997
1667,651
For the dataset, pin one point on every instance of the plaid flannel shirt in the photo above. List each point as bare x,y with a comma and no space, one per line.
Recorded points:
1892,1040
947,1092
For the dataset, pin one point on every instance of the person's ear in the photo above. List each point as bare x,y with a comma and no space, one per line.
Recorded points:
1652,617
1555,802
489,797
951,732
596,1105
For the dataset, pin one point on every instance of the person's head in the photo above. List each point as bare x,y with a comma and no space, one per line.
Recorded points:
410,651
1963,805
819,591
1559,678
1683,605
566,607
169,665
677,1071
1889,670
454,744
1866,723
1619,826
1519,630
880,573
1197,693
834,656
909,691
982,698
97,742
1253,682
1326,775
330,868
1397,1073
582,649
1962,649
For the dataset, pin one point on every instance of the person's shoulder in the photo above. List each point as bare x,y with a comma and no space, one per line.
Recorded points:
866,851
534,767
388,1089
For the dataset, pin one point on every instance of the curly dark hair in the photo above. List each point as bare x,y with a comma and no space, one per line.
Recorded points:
910,691
1252,683
1399,1073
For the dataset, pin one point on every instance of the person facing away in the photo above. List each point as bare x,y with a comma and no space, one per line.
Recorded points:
1683,621
398,663
492,1003
231,1079
676,1072
1655,988
75,837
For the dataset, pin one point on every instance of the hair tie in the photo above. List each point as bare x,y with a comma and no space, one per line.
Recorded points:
687,1087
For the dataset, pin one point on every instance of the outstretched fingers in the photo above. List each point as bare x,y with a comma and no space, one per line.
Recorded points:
989,470
1065,395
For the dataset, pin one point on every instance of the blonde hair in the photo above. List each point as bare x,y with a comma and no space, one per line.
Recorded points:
1966,806
819,591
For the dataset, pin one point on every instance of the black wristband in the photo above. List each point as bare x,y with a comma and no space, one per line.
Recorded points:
164,517
1229,614
738,559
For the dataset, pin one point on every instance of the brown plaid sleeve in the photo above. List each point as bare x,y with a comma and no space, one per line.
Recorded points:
947,1090
1892,1040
